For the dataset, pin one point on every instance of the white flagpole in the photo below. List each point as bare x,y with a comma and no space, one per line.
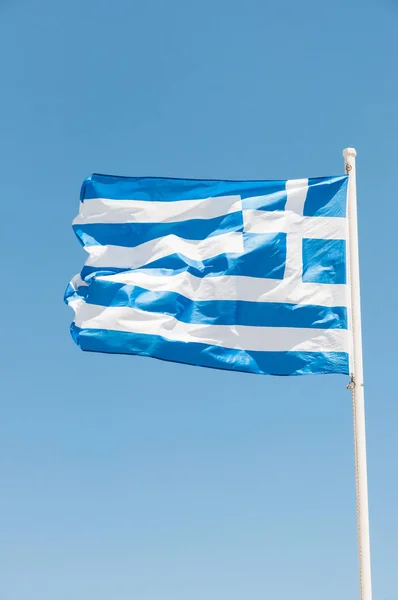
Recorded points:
356,385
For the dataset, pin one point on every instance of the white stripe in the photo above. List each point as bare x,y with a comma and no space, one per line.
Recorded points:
296,191
225,287
133,258
273,339
102,210
327,228
77,282
76,304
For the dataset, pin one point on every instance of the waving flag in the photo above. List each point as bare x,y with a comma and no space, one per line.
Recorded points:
240,275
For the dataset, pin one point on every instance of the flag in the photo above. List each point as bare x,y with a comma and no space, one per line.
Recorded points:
239,275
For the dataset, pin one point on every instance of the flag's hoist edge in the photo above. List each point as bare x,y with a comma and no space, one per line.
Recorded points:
238,275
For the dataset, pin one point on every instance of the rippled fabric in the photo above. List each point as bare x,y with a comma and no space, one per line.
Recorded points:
238,275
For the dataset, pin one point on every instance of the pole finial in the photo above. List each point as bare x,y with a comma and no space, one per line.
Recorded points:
349,152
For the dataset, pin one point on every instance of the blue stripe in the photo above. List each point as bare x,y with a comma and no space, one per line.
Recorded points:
264,257
71,294
270,201
215,312
326,196
265,363
134,234
168,189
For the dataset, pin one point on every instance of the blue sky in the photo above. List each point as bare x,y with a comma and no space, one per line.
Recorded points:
123,477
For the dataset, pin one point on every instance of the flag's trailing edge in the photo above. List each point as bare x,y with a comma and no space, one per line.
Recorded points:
238,275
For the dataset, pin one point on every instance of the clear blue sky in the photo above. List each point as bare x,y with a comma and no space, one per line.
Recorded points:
122,477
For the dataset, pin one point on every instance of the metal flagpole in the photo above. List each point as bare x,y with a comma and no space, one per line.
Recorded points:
356,385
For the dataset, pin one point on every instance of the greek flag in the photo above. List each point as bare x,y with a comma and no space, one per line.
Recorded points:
239,275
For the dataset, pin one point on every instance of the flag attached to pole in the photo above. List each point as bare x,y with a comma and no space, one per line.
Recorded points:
239,275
